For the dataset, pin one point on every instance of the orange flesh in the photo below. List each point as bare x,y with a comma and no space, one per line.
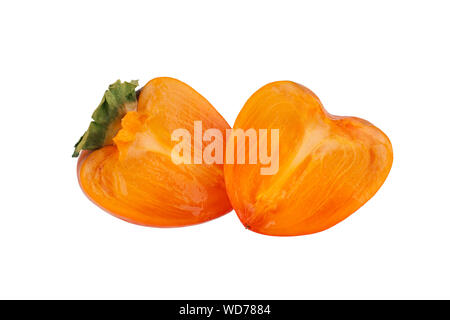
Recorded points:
329,166
136,180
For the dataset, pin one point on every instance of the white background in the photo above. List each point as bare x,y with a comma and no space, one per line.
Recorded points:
385,61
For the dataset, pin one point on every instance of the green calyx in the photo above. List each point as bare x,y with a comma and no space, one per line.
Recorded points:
117,101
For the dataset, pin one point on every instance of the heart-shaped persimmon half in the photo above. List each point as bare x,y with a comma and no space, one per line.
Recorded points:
126,167
326,166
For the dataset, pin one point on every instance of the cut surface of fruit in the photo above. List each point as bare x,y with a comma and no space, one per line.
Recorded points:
135,178
329,166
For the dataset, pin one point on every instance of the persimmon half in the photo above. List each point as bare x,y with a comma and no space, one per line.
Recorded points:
126,166
329,166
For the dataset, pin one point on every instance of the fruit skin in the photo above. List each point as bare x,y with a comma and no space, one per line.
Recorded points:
329,166
135,180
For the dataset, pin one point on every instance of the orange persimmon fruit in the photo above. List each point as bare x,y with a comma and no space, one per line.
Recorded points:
329,166
125,165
